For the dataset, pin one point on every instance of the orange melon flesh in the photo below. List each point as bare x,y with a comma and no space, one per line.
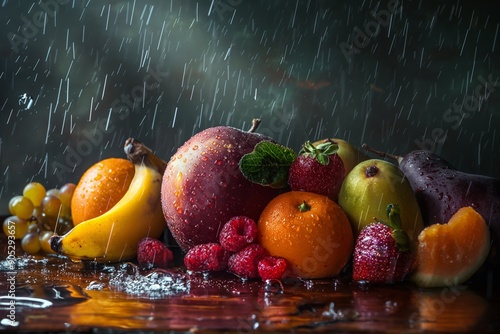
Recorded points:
449,254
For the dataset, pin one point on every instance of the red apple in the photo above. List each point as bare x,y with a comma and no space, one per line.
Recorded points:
203,186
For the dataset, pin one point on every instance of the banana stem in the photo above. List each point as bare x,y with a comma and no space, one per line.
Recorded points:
137,153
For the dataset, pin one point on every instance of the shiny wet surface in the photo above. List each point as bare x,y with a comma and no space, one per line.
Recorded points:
57,295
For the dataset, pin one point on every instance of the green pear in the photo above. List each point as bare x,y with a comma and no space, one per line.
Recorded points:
370,187
349,154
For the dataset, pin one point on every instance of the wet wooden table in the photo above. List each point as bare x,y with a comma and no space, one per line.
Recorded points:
53,294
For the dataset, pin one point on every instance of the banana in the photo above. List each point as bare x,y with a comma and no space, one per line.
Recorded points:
113,236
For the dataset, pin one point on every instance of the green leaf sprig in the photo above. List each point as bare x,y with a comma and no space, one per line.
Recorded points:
321,152
268,164
393,212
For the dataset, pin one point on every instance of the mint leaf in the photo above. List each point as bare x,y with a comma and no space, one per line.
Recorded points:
268,164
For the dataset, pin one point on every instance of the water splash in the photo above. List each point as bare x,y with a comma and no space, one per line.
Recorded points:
273,286
96,286
26,101
157,284
31,302
341,314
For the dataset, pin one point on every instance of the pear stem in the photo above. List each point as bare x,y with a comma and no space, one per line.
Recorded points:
255,125
382,154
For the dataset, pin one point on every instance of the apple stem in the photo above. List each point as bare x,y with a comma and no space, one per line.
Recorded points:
255,125
382,154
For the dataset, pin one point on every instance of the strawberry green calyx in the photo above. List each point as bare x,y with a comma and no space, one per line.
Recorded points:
394,221
320,152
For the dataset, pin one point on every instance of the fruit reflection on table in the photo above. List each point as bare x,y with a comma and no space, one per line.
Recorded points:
71,296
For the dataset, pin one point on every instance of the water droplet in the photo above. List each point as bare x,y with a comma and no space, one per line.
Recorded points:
274,286
391,307
95,286
309,284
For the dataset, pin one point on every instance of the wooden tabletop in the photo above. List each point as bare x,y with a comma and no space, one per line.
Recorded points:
53,294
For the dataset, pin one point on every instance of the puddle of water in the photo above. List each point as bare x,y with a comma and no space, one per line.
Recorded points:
56,294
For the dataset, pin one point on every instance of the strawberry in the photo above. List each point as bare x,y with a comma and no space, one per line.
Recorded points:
382,253
317,169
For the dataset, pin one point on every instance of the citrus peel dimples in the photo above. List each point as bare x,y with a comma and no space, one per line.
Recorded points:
100,188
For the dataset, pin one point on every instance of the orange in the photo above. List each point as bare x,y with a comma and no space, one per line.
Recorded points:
100,188
310,231
449,254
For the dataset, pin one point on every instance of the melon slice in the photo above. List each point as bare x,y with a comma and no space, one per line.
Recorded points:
449,254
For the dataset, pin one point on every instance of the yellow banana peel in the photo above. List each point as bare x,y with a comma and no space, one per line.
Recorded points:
114,235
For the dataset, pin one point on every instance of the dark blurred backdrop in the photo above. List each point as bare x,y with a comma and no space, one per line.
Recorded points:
79,77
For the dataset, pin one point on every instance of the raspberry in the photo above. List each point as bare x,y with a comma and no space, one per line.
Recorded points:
153,253
206,257
237,233
272,267
244,262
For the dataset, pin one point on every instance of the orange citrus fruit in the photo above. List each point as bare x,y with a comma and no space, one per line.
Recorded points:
449,254
100,188
308,230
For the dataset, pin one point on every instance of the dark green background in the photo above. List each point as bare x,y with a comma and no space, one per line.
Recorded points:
419,79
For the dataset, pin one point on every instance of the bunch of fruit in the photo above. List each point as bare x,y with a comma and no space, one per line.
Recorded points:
315,211
38,214
118,201
224,172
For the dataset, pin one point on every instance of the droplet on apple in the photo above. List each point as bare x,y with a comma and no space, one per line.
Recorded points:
203,186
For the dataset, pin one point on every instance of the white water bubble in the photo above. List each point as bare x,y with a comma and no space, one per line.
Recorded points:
26,101
157,284
95,286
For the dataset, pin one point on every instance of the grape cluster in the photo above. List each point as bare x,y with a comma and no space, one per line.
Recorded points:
38,214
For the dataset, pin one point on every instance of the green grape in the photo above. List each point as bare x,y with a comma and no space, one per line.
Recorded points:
48,223
51,206
53,192
45,241
33,226
31,243
11,202
21,206
64,226
35,192
15,226
37,211
65,195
